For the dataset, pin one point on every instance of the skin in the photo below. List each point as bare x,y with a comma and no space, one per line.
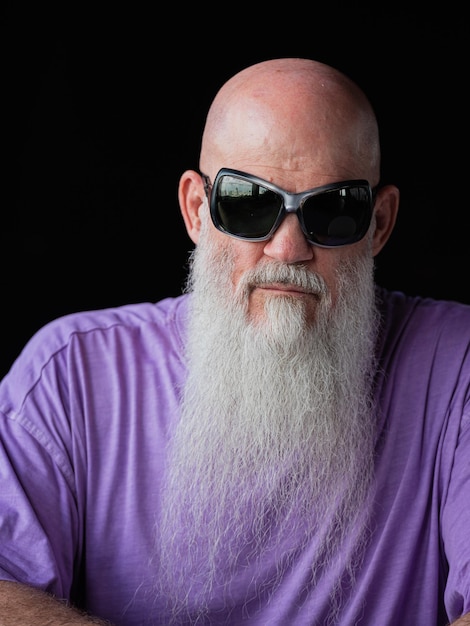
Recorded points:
300,125
334,138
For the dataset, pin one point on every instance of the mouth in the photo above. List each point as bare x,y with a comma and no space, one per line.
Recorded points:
285,289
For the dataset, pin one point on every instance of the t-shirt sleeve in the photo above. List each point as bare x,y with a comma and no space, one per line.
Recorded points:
38,513
456,524
40,466
38,498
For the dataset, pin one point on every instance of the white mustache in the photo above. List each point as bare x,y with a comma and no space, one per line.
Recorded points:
280,273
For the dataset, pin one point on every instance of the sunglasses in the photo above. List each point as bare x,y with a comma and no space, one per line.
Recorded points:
250,208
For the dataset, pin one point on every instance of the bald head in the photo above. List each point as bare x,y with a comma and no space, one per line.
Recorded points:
294,121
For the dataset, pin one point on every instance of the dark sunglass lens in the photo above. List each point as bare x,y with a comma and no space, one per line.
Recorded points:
338,216
244,208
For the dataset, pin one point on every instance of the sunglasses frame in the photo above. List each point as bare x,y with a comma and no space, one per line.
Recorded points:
292,203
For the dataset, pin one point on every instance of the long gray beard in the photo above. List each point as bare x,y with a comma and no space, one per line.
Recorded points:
275,446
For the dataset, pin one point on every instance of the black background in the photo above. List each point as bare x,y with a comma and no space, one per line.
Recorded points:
105,104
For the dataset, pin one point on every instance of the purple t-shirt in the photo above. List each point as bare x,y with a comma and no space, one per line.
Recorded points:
84,416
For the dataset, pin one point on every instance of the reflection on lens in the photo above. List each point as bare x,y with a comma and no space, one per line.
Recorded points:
246,209
334,215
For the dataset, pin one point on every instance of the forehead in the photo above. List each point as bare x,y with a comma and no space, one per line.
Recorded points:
296,143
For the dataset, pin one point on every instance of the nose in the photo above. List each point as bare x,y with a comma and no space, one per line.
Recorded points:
288,244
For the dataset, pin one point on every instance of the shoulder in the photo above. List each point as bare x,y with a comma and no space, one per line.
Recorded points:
92,338
423,317
167,315
164,313
425,349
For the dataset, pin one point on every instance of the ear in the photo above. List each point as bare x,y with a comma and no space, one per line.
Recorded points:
191,198
385,211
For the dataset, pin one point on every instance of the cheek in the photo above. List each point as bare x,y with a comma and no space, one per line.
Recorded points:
338,263
245,255
328,263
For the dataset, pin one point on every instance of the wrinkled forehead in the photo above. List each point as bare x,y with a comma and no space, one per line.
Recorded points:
286,124
273,147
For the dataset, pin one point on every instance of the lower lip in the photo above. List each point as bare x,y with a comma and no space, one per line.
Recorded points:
284,292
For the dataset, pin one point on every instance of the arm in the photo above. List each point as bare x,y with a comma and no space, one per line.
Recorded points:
462,621
21,605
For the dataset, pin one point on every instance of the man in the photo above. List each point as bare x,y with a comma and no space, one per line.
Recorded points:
285,443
